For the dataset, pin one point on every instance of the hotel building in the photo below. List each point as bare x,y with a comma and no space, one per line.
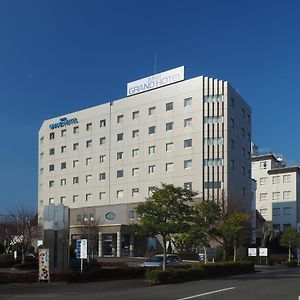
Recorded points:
102,161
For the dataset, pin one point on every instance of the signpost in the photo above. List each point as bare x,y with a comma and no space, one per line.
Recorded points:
81,251
263,252
252,252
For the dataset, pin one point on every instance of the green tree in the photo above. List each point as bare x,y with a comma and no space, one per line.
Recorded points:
268,233
235,229
290,238
166,212
205,222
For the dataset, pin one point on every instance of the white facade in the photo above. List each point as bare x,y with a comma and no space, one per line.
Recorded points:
277,194
194,133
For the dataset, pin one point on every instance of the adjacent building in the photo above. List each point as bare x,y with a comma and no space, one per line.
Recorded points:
278,190
103,160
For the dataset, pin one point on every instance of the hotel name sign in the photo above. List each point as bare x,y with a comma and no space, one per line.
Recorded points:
155,81
63,122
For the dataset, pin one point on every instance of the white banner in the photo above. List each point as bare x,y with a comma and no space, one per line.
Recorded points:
44,264
155,81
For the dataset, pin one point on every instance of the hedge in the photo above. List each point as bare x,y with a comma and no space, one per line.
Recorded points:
199,271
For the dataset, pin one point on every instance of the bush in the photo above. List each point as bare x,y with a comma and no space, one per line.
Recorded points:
199,271
289,264
28,277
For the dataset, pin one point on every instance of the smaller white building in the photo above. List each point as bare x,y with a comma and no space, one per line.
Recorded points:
277,193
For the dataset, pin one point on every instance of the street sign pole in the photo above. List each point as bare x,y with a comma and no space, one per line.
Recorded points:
81,266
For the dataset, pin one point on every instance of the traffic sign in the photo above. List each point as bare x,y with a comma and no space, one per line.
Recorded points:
252,251
81,249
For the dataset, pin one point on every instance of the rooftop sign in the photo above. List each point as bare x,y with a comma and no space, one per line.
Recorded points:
155,81
63,122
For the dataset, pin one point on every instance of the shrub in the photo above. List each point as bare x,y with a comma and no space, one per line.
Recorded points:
28,277
289,264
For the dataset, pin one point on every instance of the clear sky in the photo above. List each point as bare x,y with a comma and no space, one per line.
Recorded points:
59,56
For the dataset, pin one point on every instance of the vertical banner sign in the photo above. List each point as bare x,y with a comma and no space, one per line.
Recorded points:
44,264
83,249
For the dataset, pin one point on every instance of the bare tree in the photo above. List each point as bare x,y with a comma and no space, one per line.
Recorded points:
7,232
26,227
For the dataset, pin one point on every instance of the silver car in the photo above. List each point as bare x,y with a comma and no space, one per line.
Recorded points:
157,261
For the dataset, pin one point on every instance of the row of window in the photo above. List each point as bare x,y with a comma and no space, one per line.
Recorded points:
286,211
275,179
286,195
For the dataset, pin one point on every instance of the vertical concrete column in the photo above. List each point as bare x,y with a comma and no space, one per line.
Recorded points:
118,244
131,245
100,254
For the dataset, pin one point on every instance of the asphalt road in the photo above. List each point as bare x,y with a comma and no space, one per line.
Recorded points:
270,283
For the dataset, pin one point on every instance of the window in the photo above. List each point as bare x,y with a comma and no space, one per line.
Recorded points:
51,151
169,147
187,186
275,179
52,136
286,195
244,191
101,159
187,164
276,196
213,98
263,196
101,195
88,178
151,169
63,132
187,122
78,218
88,161
135,152
75,180
102,140
119,155
89,143
232,123
120,136
151,150
75,198
135,115
88,197
213,119
169,106
276,211
63,181
243,132
63,149
120,118
213,162
135,171
169,167
41,155
102,176
264,212
232,164
169,126
151,110
232,144
89,126
102,123
286,226
188,102
243,113
120,194
120,173
213,185
62,199
276,227
263,165
214,141
63,165
135,192
51,168
75,163
151,190
135,133
151,130
75,146
51,201
263,180
131,214
188,143
243,151
286,178
51,183
76,130
232,102
287,211
41,140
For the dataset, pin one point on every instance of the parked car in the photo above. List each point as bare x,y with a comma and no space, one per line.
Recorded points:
157,261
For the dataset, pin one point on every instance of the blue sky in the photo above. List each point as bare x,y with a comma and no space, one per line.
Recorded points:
59,56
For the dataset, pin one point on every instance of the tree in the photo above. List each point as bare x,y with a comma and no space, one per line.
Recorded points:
235,229
166,212
268,233
7,232
26,228
290,238
205,221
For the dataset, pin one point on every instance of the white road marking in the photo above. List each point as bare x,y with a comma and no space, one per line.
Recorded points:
208,293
